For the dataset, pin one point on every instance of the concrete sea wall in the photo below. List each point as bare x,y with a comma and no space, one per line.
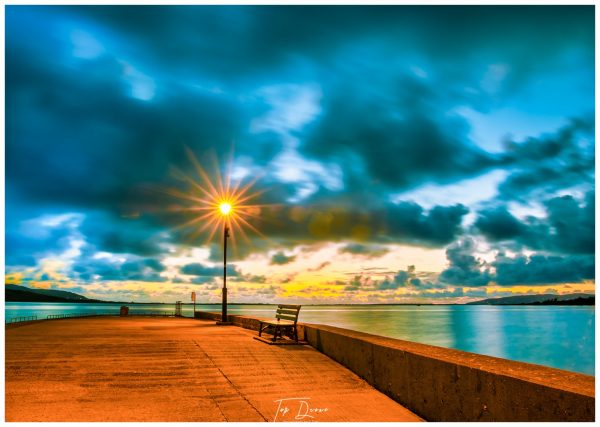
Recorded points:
441,384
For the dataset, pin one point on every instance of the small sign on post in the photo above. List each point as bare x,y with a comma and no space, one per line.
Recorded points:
194,299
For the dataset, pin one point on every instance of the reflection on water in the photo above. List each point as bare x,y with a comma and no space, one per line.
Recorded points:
562,337
479,331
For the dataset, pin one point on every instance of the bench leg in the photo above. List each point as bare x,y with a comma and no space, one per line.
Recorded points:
262,328
279,331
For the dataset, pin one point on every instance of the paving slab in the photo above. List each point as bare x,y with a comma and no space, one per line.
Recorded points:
177,369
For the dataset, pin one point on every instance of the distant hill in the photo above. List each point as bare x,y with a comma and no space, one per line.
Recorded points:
575,301
15,293
533,299
49,292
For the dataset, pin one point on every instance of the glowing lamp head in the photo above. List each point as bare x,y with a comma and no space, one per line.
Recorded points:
225,208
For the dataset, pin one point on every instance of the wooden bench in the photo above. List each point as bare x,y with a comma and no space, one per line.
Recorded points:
287,319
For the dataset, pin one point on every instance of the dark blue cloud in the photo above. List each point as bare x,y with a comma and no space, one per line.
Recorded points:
465,269
198,269
91,134
543,165
280,259
401,136
569,226
124,235
90,269
540,269
370,251
202,280
573,225
225,40
499,224
84,112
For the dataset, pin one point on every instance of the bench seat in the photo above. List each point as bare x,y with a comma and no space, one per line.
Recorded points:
286,321
275,322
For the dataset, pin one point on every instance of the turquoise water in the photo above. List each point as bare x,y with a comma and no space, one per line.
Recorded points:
561,337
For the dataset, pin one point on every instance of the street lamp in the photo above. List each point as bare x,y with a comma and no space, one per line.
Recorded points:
225,209
214,203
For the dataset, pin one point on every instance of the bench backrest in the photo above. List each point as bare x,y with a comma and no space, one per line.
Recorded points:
288,312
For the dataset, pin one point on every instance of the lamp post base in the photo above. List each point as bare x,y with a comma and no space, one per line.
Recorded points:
224,323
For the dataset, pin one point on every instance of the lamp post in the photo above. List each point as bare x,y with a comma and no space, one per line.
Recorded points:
225,209
224,303
217,204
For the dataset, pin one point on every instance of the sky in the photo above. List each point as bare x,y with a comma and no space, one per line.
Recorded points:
396,154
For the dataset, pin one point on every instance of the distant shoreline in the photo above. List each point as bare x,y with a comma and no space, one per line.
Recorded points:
14,293
218,304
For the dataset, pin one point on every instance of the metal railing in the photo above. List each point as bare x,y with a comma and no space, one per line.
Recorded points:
92,314
152,313
68,315
22,319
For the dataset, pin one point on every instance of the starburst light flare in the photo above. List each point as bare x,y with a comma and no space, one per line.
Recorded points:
217,203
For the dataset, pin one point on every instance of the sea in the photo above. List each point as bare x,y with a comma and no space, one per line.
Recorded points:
557,336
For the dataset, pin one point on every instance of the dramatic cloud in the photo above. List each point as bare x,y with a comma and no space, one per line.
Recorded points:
339,122
569,226
536,269
337,220
540,270
403,222
405,140
551,162
168,34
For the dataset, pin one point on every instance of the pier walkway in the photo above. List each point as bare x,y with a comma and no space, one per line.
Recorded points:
176,369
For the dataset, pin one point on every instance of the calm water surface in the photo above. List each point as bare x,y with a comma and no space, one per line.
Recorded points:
561,337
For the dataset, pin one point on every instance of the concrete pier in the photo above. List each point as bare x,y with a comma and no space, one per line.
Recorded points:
176,369
442,384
